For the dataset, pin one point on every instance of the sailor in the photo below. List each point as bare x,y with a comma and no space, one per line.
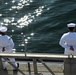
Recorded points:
68,40
6,45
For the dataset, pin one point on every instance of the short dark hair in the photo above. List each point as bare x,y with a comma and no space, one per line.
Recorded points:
2,33
71,28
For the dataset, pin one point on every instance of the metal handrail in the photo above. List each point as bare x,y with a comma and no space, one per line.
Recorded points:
36,56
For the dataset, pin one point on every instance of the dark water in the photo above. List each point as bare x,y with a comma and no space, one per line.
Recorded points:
37,25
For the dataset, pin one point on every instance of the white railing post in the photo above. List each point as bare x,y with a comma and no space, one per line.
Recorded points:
70,66
35,67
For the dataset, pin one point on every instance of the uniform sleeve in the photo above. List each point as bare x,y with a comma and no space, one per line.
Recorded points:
11,45
63,43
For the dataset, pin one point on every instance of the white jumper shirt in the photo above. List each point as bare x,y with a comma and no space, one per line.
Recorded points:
67,40
7,42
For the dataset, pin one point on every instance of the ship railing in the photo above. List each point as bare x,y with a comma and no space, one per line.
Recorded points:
36,57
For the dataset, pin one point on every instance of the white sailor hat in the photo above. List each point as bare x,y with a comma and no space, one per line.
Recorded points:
3,29
71,25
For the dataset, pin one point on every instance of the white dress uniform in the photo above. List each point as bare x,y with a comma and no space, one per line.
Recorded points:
8,44
69,39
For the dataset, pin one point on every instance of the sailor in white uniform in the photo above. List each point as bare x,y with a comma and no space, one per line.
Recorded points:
68,40
6,45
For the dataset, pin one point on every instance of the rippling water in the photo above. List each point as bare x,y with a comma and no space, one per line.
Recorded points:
37,25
